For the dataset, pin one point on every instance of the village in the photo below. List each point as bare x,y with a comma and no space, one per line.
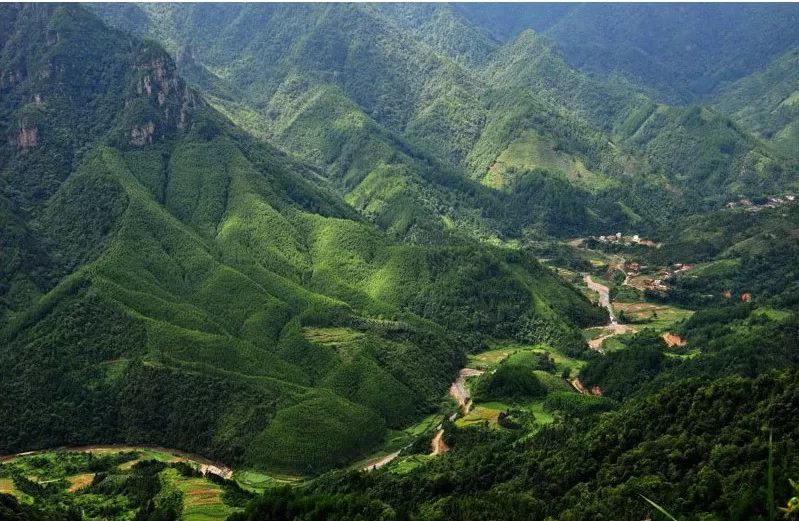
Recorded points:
619,238
756,204
643,278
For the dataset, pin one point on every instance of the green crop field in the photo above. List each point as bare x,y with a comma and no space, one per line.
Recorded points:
109,489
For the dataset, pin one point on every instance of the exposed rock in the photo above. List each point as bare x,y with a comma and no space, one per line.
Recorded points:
673,340
142,134
27,137
188,102
159,76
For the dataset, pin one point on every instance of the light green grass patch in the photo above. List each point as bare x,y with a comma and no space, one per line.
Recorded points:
499,352
561,361
202,499
718,268
659,317
772,314
405,464
256,481
542,417
532,151
331,336
482,414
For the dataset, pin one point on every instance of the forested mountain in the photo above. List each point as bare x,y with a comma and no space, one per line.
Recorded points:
412,101
275,234
685,53
767,102
174,281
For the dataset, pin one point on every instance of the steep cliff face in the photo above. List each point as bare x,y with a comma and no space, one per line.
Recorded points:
27,137
160,102
66,82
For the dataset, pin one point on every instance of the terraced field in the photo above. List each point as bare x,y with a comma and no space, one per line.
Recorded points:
91,477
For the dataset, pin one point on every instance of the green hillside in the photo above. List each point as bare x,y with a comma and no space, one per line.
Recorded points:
767,102
696,448
191,270
350,251
684,54
448,106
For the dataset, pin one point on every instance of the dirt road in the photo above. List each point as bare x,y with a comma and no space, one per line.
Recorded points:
604,296
385,460
459,391
438,446
607,332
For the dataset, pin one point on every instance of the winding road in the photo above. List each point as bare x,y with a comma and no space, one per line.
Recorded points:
376,464
461,395
613,327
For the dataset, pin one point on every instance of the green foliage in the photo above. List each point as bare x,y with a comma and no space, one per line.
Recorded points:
685,55
516,378
139,485
174,279
577,405
766,101
698,447
316,434
184,258
621,373
288,503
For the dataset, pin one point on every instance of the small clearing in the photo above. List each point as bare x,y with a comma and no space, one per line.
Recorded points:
79,481
6,486
607,332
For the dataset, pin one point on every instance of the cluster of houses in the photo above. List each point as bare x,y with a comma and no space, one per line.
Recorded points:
659,279
619,238
756,204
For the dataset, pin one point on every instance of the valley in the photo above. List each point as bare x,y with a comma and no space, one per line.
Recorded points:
398,262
